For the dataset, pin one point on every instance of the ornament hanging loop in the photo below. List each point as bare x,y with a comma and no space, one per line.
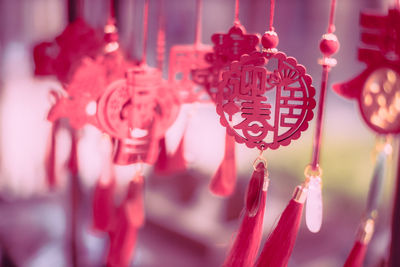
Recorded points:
259,159
311,171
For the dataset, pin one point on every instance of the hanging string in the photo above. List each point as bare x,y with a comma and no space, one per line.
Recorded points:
329,45
161,37
271,15
145,29
331,27
198,22
237,22
111,15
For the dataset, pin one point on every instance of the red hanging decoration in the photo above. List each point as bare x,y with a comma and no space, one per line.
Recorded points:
244,249
245,109
61,57
265,100
50,158
329,45
228,47
103,196
224,180
357,254
89,82
375,89
184,59
169,164
128,219
137,111
280,243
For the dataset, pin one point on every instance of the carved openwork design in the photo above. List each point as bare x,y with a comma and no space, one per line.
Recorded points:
265,100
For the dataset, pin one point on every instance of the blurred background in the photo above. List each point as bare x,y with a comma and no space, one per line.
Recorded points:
186,225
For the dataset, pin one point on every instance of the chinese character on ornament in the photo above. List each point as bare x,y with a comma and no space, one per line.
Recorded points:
265,100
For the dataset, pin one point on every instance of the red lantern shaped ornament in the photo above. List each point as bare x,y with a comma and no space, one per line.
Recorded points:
265,100
137,111
89,82
376,89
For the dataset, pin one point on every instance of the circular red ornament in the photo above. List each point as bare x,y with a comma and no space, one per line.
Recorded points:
265,100
141,105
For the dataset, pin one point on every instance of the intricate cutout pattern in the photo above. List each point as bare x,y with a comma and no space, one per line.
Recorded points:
265,100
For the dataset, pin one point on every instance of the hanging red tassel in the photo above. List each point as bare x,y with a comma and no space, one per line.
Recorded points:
103,197
50,158
244,250
73,156
280,243
122,240
103,204
134,202
130,217
169,164
357,254
364,235
224,181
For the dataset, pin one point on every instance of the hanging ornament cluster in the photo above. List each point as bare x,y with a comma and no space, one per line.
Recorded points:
264,99
377,93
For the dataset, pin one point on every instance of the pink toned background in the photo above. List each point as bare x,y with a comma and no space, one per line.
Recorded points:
186,225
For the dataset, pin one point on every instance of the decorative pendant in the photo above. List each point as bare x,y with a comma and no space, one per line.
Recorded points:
265,100
376,89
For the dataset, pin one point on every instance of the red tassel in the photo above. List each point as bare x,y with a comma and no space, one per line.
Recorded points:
364,235
134,202
280,243
122,240
103,204
244,250
73,157
50,159
224,181
130,217
357,254
169,164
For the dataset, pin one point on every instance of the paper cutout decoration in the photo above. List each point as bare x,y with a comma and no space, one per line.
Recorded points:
265,100
227,48
377,88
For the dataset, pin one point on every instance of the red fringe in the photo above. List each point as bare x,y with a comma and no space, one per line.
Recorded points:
103,204
280,243
130,217
73,157
122,239
244,250
169,164
134,202
50,158
224,181
357,255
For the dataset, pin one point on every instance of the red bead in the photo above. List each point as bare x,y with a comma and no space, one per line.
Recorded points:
270,40
329,44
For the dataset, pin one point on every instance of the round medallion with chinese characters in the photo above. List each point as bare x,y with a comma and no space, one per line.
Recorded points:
265,100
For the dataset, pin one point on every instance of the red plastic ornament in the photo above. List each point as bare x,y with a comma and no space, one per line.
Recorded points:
89,82
62,56
265,106
137,110
376,89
